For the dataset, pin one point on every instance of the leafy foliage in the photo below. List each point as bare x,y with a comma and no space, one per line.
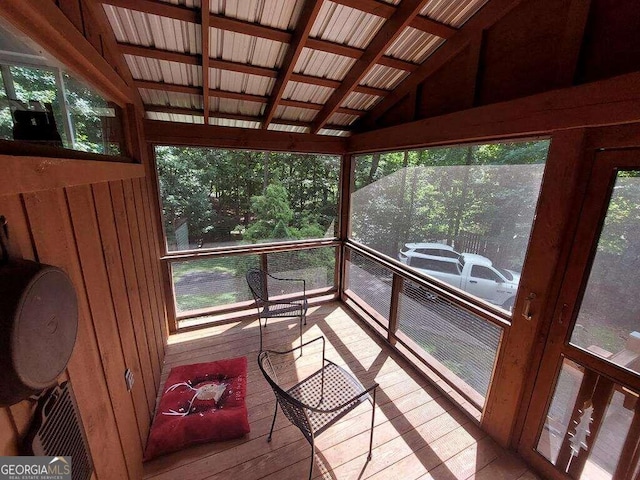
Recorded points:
233,196
95,127
486,193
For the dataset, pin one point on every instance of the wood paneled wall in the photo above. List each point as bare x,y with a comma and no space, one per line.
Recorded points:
104,236
96,221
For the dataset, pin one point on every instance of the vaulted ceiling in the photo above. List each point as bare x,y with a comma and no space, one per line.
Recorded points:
332,67
289,65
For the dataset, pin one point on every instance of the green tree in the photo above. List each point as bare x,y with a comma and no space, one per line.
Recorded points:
271,210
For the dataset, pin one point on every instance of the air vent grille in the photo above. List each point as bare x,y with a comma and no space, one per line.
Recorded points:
59,431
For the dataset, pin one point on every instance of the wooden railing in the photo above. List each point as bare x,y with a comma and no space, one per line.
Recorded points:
587,427
232,311
387,323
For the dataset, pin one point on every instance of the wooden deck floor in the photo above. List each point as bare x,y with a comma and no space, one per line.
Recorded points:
419,434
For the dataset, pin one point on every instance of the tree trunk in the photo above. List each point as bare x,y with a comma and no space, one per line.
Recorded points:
374,167
463,195
401,219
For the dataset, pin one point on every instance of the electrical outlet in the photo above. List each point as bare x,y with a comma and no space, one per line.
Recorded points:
128,378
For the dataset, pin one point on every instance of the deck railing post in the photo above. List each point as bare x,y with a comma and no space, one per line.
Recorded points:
396,288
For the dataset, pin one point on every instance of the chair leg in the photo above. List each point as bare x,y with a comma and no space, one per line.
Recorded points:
260,324
313,454
373,417
275,414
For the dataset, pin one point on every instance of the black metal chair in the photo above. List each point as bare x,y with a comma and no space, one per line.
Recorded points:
261,283
318,401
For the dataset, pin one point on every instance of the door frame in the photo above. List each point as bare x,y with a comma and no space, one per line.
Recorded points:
572,284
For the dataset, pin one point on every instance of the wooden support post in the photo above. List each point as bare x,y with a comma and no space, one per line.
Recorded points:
396,288
564,181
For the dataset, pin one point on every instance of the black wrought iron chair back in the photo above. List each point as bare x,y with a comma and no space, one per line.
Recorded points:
260,283
318,401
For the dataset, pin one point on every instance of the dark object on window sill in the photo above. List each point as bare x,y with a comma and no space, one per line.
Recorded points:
36,125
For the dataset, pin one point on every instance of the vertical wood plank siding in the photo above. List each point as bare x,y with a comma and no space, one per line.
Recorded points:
103,236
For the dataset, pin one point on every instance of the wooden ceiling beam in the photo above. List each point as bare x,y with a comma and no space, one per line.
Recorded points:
397,64
335,48
156,53
200,112
295,123
286,102
149,107
487,16
168,87
327,82
344,128
242,68
191,15
374,7
253,29
391,29
353,52
308,16
572,40
425,24
248,28
378,92
350,111
235,116
192,59
204,34
247,97
385,10
607,102
319,81
170,133
154,7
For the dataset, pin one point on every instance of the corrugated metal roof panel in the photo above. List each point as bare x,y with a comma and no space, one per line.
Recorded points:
287,128
342,119
173,117
240,82
306,92
381,76
360,101
238,47
452,13
414,45
294,113
241,107
346,25
184,3
154,70
281,14
228,122
323,64
170,99
333,133
148,30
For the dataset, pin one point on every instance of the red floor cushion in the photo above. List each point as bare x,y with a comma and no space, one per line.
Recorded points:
201,403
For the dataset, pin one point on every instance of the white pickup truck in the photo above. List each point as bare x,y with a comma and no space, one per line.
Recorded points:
469,272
